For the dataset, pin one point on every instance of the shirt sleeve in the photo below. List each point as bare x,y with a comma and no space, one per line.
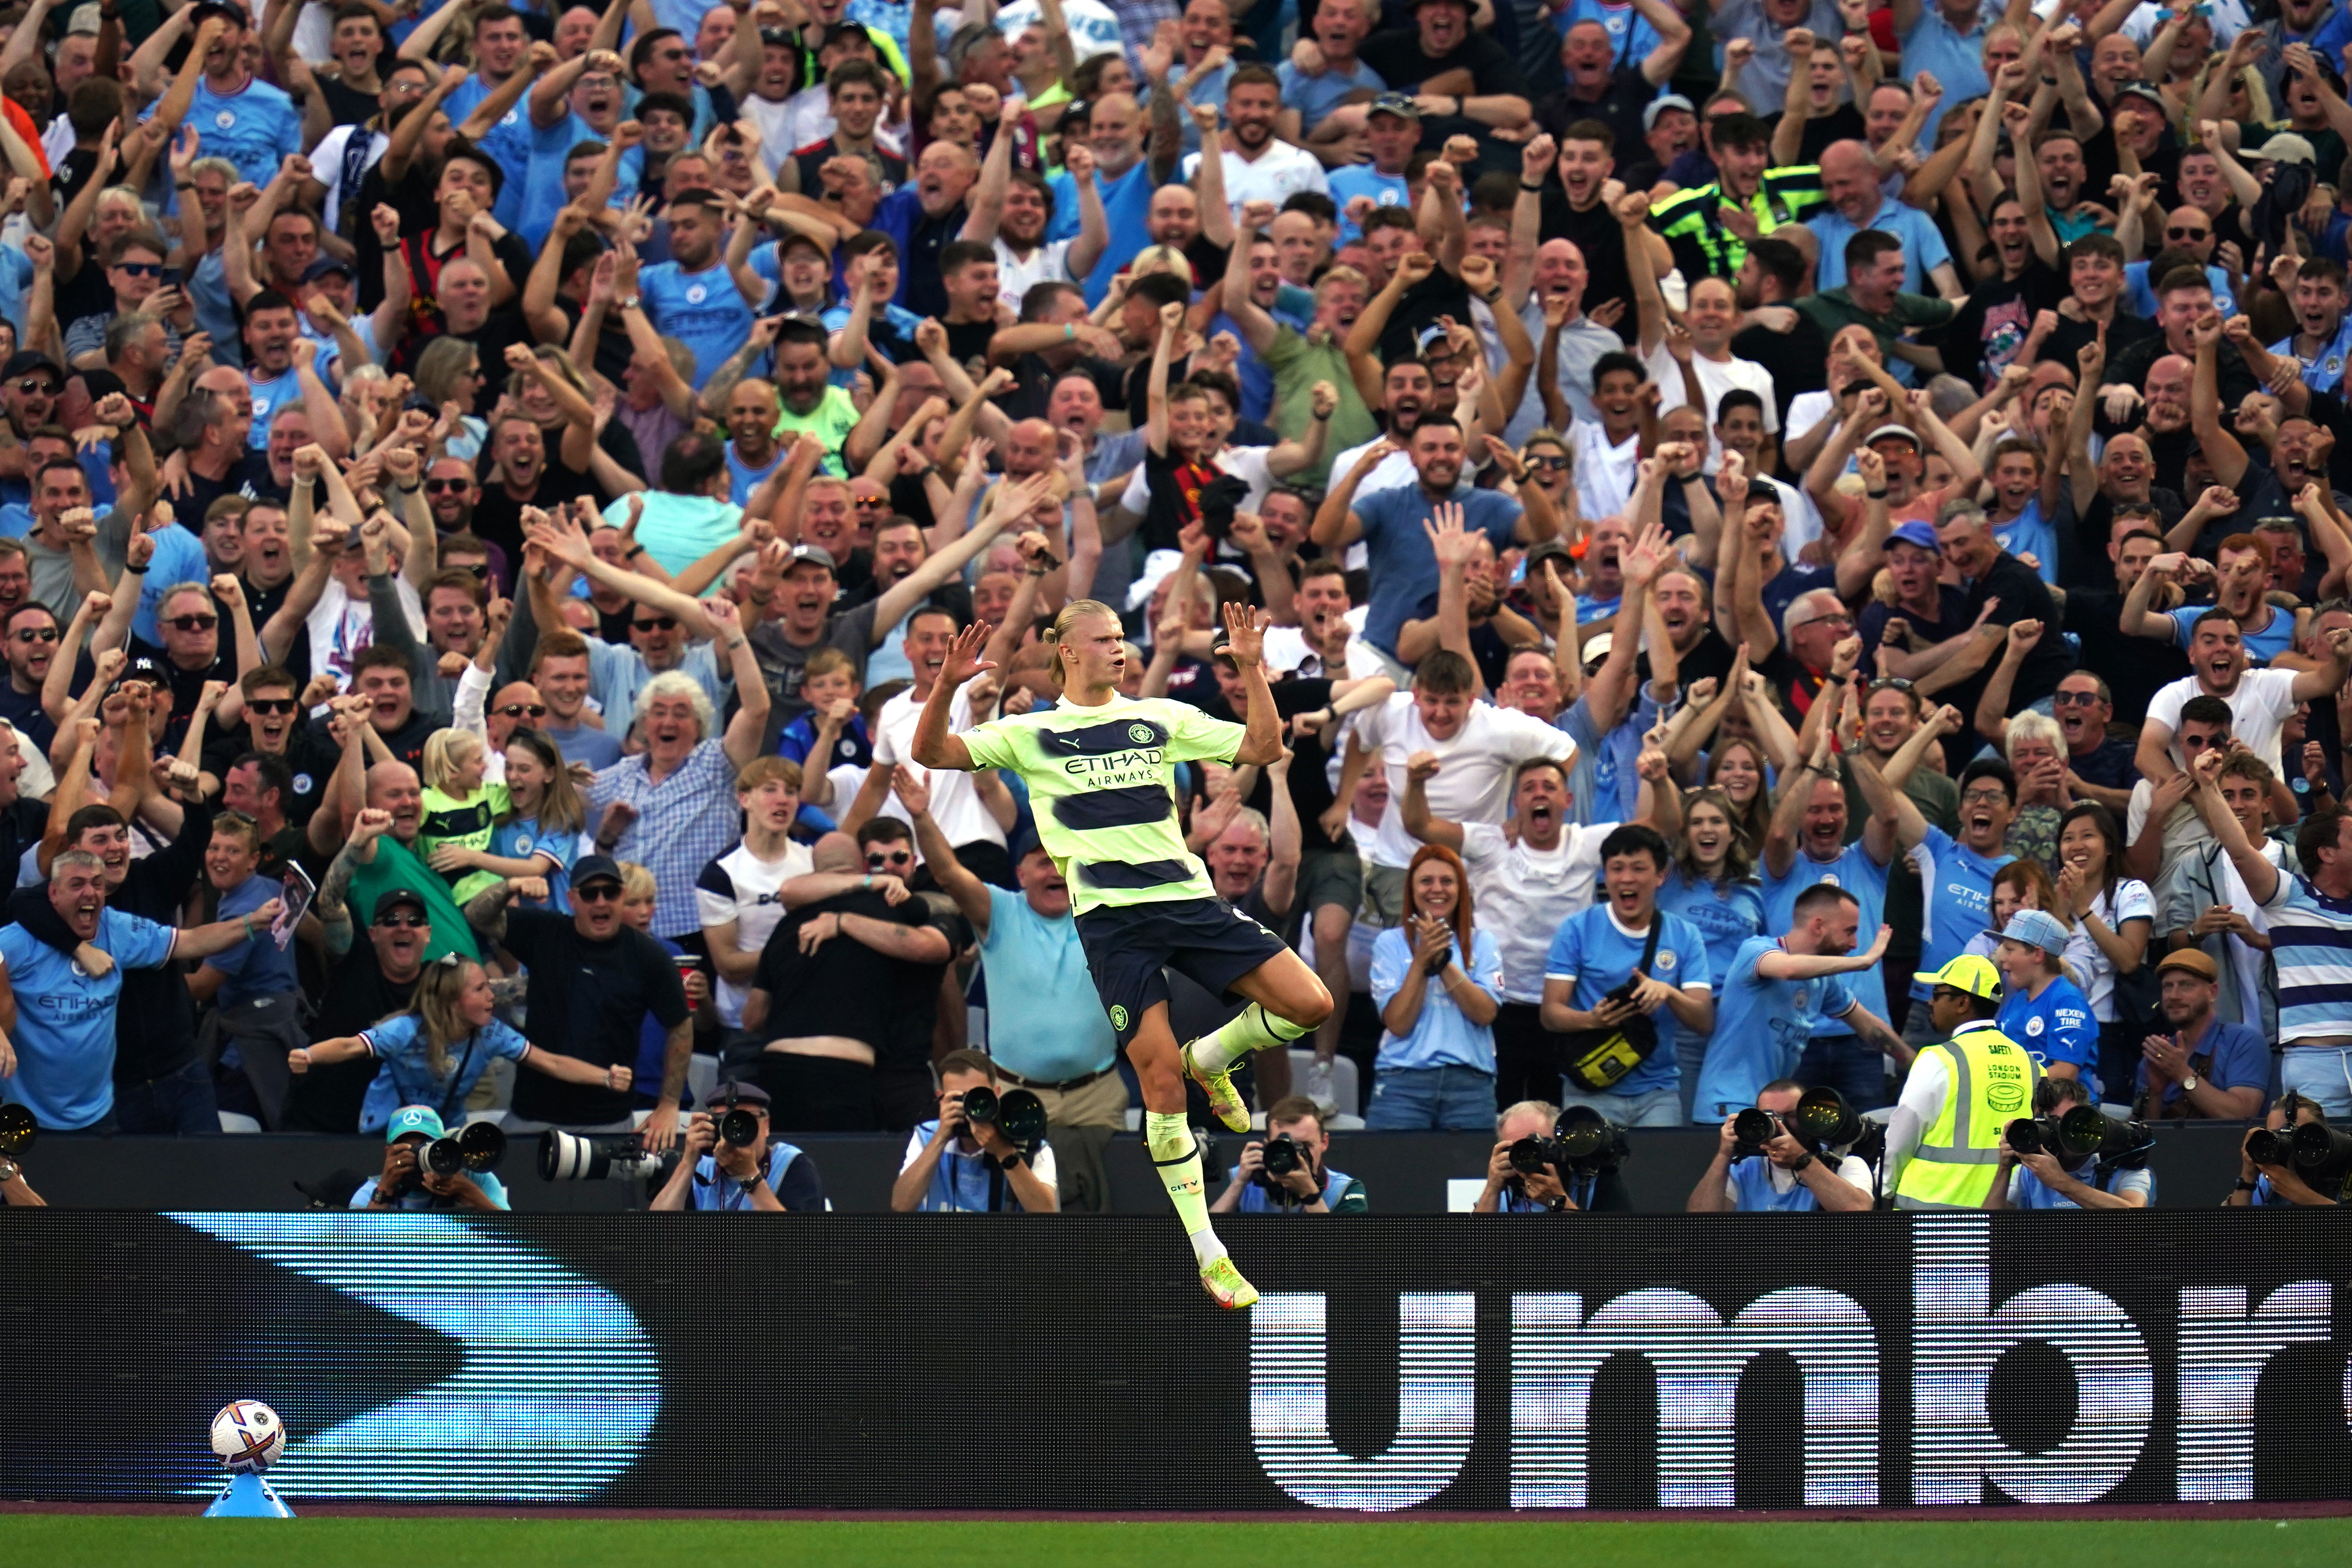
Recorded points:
915,1141
1486,964
1567,956
714,896
1194,736
799,1188
991,745
1837,997
1392,958
1690,957
136,943
502,1041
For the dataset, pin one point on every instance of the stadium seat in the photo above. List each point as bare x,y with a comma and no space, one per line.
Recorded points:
237,1121
1346,1089
701,1077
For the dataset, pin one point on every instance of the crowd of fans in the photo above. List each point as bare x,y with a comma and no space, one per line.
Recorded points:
1792,531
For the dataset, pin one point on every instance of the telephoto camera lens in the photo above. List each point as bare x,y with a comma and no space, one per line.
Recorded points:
568,1157
18,1128
1825,1121
476,1147
2267,1147
738,1128
980,1104
1283,1154
1590,1141
1753,1128
1021,1117
1528,1157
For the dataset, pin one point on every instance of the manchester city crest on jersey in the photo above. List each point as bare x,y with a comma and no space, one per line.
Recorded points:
1797,1002
695,293
1665,959
521,845
2033,1026
304,783
1142,734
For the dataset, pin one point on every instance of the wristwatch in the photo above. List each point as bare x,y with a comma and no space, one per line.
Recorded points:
2244,1185
2188,1085
1803,1161
631,303
8,1171
1013,1161
754,1179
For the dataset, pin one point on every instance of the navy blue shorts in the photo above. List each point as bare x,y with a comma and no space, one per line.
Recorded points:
1208,940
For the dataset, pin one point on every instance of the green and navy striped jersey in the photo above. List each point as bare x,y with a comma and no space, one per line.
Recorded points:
1694,228
1102,782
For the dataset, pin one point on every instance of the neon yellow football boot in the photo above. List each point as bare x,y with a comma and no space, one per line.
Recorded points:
1225,1100
1226,1287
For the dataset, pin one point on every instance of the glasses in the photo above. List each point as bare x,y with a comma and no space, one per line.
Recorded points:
517,710
476,568
2074,699
446,486
873,503
1983,796
269,704
193,623
404,922
2185,233
655,623
600,893
1890,684
896,857
140,269
1840,619
1559,463
37,635
35,386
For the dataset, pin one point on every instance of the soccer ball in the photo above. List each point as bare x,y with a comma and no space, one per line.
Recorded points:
248,1435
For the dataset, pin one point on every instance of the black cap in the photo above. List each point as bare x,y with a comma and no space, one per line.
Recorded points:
25,362
144,669
227,9
736,1089
322,264
392,898
595,868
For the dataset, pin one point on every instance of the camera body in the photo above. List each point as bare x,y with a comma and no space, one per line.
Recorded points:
1283,1154
1751,1129
2319,1153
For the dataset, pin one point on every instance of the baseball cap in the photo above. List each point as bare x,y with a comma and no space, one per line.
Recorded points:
1396,103
817,553
1426,337
226,8
1597,647
2190,961
1659,106
737,1089
2286,147
410,1119
1915,532
2147,89
1905,431
323,264
1968,973
2036,928
25,362
394,898
595,868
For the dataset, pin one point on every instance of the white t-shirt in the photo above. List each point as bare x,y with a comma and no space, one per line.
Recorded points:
741,887
1521,894
1605,473
1806,410
1715,378
2095,970
1474,780
1279,172
1049,263
775,119
956,805
1393,472
2259,708
340,625
1850,1170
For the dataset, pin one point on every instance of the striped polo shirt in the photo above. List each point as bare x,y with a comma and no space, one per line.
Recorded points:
2311,943
1102,781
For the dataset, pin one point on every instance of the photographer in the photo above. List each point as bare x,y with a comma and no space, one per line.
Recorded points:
1782,1176
2041,1181
404,1182
957,1166
2278,1187
1510,1191
1306,1186
766,1174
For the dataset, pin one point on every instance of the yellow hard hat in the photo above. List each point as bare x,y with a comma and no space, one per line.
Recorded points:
1968,973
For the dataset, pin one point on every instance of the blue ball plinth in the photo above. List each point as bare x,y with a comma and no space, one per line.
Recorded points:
247,1496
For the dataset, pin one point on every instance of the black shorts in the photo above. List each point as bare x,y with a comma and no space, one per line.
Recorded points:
1206,939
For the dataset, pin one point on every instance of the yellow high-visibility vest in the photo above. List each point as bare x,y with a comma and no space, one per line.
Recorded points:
1989,1082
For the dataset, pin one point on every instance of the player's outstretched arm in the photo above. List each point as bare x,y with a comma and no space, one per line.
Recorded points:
934,746
1245,641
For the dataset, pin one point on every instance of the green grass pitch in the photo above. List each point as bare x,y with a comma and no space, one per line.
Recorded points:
57,1541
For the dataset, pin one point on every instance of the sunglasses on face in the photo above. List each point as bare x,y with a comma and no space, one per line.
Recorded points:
2185,233
269,704
37,635
873,503
601,893
656,623
2073,700
1557,463
404,922
140,269
34,386
517,710
193,623
446,486
896,857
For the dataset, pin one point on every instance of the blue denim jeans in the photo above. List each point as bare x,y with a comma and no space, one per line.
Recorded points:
1651,1108
1427,1099
1844,1063
179,1103
2319,1071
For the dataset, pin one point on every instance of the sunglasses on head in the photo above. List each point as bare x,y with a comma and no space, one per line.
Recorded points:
894,857
597,893
410,922
1890,682
517,710
37,635
656,623
193,623
269,704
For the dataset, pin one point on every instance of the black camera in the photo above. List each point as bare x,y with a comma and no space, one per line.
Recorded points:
2316,1151
738,1128
1017,1113
1824,1120
476,1147
1284,1154
1752,1129
18,1128
612,1157
2084,1130
1529,1156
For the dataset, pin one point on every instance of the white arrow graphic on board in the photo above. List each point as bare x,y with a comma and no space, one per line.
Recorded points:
560,1386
